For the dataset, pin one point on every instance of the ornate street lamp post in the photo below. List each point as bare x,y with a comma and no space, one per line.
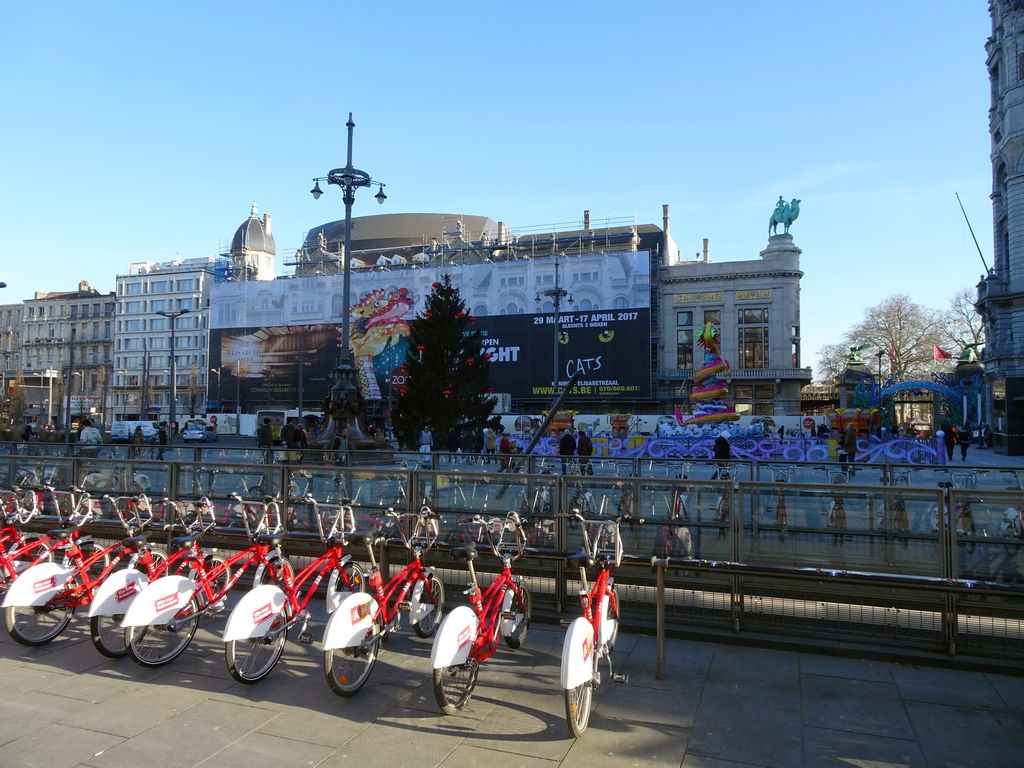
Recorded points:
343,393
556,293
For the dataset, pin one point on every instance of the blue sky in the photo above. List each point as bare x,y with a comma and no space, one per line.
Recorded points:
137,131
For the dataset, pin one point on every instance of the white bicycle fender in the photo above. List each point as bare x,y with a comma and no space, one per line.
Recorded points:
158,602
577,654
508,626
419,610
254,614
454,638
348,624
37,584
333,597
117,591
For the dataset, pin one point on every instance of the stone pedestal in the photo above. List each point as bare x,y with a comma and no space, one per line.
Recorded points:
780,245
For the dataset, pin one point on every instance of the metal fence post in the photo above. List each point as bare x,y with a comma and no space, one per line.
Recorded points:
659,612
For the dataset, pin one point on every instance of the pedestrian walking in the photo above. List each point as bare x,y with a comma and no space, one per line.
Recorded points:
949,441
964,441
426,441
585,449
567,449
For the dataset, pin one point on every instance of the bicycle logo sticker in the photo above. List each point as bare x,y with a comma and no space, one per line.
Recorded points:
463,637
166,602
45,584
587,648
125,592
360,612
261,614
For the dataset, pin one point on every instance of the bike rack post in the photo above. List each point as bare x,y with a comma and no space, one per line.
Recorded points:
659,612
947,548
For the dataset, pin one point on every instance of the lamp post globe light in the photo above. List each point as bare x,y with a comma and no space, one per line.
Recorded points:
173,317
349,179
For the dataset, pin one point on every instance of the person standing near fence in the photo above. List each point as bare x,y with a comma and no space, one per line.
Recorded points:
566,449
964,440
585,449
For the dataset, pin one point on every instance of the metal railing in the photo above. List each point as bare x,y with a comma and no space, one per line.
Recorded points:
919,558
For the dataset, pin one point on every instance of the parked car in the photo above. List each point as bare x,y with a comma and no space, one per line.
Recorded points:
124,431
198,432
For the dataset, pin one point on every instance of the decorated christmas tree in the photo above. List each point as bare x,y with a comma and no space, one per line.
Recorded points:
446,372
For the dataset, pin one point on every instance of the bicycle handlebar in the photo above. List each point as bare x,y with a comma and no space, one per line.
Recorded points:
496,525
425,528
261,523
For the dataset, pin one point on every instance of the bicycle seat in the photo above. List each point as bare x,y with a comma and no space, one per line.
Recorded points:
135,542
60,533
182,542
465,552
365,539
581,559
270,539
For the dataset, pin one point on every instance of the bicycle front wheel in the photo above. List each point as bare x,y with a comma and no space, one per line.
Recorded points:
38,624
252,659
610,619
348,669
157,644
453,686
522,605
107,636
433,594
578,702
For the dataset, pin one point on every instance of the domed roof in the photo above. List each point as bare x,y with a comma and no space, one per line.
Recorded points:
397,229
252,235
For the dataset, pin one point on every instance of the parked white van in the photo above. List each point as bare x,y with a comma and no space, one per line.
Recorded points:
122,431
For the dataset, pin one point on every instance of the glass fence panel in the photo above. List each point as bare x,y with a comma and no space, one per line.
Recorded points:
987,536
847,528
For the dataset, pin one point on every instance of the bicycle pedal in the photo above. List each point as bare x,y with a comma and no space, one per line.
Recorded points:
214,609
565,623
306,638
404,606
620,677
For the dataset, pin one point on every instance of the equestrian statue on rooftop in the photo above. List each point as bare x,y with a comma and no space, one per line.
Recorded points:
784,214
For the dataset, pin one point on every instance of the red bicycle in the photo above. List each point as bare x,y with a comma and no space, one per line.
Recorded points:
468,636
257,628
40,603
591,637
18,550
163,618
355,631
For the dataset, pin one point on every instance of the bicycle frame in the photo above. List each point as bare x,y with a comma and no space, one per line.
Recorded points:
256,612
165,597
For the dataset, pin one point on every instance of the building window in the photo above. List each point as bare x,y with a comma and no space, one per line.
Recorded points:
190,284
713,316
158,286
133,289
752,338
684,340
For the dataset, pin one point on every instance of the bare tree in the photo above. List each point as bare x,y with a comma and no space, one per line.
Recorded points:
961,326
905,331
832,360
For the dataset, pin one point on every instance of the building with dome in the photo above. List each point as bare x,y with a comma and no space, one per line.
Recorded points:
253,250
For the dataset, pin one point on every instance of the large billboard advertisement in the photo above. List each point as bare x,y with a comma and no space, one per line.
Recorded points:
265,333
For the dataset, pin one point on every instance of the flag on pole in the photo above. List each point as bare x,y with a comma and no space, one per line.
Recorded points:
939,353
891,352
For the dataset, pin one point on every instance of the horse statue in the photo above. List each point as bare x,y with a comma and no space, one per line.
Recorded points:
784,214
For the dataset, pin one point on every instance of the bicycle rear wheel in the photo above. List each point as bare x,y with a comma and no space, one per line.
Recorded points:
433,593
252,659
157,644
108,637
348,669
453,686
522,606
39,624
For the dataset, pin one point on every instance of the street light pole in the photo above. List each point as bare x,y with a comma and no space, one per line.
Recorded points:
349,179
173,317
220,405
71,380
556,293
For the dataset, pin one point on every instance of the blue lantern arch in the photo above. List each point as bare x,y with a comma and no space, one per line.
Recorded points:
914,384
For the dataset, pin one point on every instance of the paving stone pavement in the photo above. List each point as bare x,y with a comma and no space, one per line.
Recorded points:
716,707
